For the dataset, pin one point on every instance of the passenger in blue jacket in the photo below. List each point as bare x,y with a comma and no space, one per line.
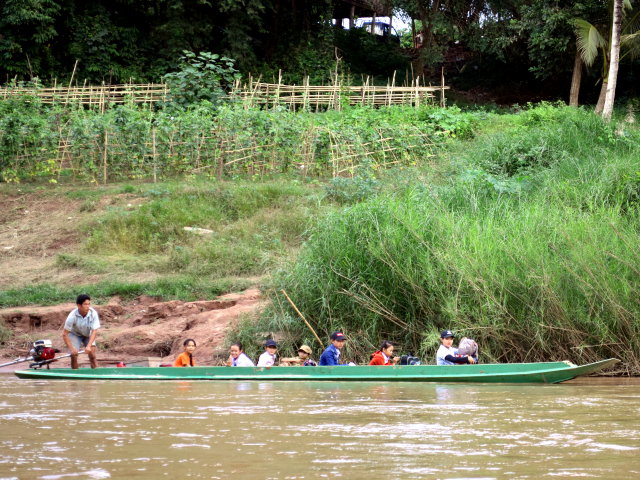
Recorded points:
331,355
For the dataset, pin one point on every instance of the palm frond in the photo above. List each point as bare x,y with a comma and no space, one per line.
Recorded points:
588,40
631,23
631,44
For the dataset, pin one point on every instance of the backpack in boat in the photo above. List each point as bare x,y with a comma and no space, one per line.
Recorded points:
468,346
409,360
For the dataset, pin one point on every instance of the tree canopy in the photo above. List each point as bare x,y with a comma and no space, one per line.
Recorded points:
142,40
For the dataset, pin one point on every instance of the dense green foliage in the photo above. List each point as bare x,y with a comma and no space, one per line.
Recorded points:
141,41
475,42
530,246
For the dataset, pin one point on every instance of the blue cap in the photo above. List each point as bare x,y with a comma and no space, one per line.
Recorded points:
270,343
446,334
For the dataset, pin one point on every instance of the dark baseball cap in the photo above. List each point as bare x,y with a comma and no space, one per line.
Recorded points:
338,336
446,334
270,343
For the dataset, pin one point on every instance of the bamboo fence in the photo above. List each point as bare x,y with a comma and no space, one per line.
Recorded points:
251,94
335,96
150,152
99,96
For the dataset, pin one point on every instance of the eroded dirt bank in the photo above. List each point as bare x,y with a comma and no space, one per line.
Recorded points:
136,330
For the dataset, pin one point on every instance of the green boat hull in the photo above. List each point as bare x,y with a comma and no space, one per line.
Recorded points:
547,372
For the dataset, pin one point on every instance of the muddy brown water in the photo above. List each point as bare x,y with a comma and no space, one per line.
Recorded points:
308,430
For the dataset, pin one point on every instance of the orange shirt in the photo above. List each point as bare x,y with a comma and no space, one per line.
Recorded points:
184,360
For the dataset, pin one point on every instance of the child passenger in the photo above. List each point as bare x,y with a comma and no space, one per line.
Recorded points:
447,355
331,354
237,358
384,356
302,360
304,354
268,358
185,359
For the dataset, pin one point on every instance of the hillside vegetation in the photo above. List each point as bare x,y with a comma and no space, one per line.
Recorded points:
519,229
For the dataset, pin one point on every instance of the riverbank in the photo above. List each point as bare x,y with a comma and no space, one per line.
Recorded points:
522,234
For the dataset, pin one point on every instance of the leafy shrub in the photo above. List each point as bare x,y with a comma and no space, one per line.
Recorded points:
347,191
450,121
135,142
542,137
203,76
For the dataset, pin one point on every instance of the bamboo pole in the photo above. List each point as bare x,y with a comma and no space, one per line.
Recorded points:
154,153
75,65
303,319
442,99
104,157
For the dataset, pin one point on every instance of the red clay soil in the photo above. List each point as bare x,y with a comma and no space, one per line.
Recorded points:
134,331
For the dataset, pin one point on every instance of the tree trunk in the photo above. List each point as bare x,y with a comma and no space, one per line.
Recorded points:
601,97
575,80
428,32
614,61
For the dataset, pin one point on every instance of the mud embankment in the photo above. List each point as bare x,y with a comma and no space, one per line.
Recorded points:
136,330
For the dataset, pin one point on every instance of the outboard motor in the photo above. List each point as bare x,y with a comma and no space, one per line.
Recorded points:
42,350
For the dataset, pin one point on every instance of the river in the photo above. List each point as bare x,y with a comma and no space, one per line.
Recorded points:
59,429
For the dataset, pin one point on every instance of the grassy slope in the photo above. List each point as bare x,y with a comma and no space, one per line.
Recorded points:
139,246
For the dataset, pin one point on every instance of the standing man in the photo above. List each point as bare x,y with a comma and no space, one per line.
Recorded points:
331,355
80,330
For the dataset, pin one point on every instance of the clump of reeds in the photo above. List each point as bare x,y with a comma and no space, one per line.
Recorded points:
537,260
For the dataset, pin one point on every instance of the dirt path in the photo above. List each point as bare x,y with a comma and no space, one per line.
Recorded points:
136,330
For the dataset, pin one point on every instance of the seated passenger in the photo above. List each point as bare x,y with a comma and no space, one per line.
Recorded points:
237,358
331,354
304,354
302,360
447,355
185,359
384,356
268,357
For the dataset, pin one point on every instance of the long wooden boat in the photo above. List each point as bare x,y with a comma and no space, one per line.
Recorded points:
546,372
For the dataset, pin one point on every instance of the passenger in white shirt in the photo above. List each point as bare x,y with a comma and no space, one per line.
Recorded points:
268,358
447,355
237,358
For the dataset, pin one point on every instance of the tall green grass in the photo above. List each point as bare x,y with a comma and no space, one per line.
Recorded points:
530,246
